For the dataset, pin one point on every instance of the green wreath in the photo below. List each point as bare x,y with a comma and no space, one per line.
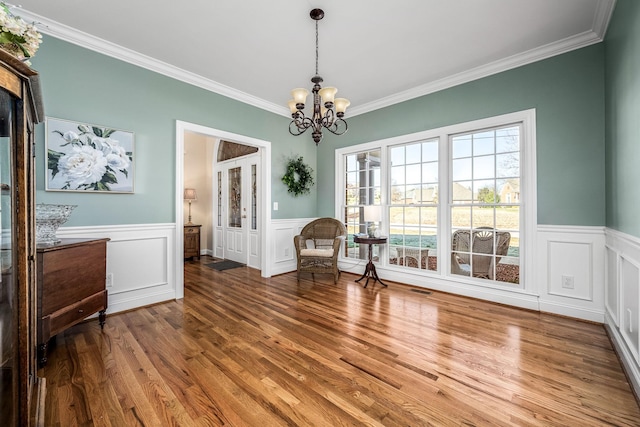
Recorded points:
298,178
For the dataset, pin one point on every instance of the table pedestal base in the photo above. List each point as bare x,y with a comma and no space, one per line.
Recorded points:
370,273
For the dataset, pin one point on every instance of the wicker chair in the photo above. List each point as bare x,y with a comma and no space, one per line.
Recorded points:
317,247
463,250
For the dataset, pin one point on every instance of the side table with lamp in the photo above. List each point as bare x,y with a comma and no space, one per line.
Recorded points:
191,230
372,215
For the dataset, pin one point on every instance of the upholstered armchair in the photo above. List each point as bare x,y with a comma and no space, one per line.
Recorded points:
468,249
318,245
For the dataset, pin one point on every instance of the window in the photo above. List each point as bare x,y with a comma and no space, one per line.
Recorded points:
485,213
413,210
362,188
457,202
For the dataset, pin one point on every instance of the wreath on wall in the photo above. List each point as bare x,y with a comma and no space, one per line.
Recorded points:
299,177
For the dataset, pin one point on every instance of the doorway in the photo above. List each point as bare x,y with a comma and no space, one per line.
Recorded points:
236,228
261,236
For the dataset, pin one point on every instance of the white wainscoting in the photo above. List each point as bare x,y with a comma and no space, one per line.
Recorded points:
283,253
622,301
140,259
573,254
569,251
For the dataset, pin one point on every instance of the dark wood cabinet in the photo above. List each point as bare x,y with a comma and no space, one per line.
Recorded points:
71,286
21,391
192,241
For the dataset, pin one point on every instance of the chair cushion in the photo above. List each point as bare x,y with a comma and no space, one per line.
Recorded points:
325,253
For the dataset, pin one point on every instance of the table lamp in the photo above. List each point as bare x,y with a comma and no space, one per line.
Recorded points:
190,196
372,215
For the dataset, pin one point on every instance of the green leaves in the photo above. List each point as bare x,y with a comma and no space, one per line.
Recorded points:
52,162
298,177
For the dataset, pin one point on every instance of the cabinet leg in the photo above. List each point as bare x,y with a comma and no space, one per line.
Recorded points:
102,317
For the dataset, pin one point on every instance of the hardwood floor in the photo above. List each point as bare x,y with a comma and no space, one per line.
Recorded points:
241,350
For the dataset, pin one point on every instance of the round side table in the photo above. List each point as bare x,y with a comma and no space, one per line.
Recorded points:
370,270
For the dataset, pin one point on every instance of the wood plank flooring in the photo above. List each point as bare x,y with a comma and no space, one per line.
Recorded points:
241,350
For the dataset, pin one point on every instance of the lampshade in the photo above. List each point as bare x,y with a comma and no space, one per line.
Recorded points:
300,95
190,194
292,106
372,213
341,105
327,94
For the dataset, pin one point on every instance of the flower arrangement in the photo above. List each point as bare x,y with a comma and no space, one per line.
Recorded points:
16,36
299,177
93,161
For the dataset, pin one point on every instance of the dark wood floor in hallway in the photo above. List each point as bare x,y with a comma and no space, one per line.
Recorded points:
241,350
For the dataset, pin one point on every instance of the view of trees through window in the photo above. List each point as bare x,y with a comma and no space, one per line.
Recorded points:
413,210
485,204
482,223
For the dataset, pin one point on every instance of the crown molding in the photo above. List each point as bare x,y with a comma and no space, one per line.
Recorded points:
515,61
601,20
82,39
602,17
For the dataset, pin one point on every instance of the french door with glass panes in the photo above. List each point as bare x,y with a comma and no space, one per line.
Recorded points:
237,236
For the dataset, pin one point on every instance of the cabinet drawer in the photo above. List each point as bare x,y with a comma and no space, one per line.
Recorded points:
75,313
190,230
70,275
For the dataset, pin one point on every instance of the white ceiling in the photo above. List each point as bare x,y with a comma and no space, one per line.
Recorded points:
376,53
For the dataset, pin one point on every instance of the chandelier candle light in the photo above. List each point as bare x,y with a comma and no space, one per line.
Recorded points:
190,196
328,111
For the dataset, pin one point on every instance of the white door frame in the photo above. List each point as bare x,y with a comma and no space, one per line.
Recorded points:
265,204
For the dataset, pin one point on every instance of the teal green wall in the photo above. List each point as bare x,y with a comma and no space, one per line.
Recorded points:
622,47
82,85
567,92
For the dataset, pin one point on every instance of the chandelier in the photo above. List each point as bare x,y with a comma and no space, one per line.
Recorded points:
328,111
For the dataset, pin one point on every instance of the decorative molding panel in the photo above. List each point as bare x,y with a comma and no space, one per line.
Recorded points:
139,262
283,253
622,302
570,271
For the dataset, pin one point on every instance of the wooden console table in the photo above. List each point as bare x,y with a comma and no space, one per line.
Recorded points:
370,270
192,241
71,278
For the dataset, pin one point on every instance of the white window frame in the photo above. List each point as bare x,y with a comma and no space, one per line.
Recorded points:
528,200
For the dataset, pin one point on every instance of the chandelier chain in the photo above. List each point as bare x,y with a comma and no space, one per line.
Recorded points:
317,48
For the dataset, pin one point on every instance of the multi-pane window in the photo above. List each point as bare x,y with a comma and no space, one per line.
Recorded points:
485,203
362,188
457,202
413,210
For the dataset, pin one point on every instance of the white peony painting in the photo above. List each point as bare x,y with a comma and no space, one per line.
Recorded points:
84,157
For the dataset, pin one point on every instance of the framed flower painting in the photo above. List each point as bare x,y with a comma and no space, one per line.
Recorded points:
88,158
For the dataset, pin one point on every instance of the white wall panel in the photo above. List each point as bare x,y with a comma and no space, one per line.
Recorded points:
569,261
282,249
575,254
622,289
611,292
138,258
629,279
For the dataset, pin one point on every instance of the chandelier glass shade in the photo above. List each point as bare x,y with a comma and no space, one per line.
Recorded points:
327,111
